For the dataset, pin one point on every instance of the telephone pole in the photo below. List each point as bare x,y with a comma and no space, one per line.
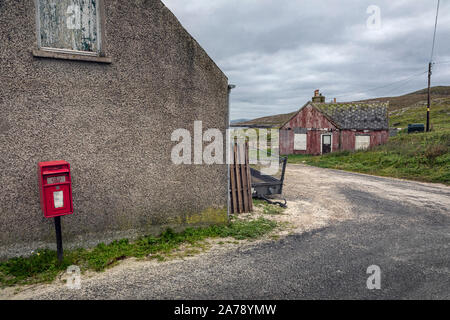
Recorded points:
429,97
430,67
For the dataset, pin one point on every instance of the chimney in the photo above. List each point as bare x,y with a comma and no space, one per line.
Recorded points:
318,97
334,100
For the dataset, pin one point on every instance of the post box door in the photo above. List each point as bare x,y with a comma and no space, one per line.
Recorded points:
57,199
55,187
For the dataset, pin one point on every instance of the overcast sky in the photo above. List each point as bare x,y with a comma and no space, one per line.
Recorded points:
278,52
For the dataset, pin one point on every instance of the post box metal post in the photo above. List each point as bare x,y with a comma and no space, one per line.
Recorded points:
55,189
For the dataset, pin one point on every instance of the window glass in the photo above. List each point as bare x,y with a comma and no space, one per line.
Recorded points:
68,25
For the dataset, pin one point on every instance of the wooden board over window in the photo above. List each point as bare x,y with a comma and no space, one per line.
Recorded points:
300,141
69,25
362,142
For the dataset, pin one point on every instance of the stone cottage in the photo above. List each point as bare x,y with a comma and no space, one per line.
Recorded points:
320,128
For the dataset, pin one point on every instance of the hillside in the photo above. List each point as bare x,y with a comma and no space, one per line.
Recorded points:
270,121
414,100
419,156
416,113
238,120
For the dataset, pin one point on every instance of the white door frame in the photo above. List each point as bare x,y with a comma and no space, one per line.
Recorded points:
321,141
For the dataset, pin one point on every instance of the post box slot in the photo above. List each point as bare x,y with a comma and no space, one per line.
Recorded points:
49,172
56,179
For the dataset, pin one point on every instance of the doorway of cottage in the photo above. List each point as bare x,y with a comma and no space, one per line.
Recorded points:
326,143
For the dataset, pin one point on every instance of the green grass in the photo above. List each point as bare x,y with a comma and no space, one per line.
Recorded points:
43,266
422,157
439,115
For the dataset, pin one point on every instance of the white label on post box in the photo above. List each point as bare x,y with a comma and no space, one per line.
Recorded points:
58,199
53,180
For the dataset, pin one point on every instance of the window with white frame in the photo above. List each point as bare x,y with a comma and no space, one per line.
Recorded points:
71,26
362,142
300,141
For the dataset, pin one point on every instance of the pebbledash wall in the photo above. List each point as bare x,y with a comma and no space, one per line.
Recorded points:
111,118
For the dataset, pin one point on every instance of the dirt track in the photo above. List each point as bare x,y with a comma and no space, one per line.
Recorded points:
343,223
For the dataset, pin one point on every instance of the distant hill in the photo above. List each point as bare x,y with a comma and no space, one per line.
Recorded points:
268,121
416,113
413,99
238,120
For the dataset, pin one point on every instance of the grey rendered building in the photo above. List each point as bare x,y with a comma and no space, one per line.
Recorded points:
103,84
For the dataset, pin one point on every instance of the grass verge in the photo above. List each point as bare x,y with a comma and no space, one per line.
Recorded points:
43,266
423,157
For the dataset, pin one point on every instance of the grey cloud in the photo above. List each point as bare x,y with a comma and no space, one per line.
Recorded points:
278,52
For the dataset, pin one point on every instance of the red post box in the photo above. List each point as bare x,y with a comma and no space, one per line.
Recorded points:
55,187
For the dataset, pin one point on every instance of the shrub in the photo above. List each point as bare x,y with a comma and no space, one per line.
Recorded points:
434,151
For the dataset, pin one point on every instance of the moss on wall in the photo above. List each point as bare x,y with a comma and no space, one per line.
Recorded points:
208,216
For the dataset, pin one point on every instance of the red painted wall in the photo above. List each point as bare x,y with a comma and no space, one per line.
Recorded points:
376,138
310,118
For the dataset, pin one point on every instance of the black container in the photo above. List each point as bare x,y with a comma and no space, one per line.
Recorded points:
417,127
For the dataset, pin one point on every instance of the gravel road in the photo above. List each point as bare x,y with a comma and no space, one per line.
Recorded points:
343,223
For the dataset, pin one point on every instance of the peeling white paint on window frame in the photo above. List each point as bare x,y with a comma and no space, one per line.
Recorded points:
97,53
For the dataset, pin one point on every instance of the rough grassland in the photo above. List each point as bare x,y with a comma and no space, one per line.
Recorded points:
422,157
439,115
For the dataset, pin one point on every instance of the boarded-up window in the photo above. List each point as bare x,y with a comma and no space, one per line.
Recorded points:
362,142
69,25
300,141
